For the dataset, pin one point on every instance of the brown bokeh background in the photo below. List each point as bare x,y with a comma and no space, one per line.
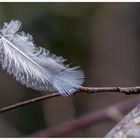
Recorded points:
103,38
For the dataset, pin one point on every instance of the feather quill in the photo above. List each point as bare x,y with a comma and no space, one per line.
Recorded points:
34,66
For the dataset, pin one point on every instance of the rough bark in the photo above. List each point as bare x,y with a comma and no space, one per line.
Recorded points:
128,127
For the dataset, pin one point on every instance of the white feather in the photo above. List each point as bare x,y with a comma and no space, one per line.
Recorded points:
34,66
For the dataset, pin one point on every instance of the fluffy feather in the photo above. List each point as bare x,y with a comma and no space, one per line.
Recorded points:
34,66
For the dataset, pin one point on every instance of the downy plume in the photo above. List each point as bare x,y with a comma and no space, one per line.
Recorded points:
34,66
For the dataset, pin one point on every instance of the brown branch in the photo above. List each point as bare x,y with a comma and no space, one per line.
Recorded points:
126,90
87,120
89,90
27,102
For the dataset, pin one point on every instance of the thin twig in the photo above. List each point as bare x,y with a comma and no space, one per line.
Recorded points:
89,90
87,120
27,102
126,90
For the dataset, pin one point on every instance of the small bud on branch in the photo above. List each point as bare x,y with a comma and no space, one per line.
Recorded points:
88,90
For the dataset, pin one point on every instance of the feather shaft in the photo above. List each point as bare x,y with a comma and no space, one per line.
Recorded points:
34,66
22,53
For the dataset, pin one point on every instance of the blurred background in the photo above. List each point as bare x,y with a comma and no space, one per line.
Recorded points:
103,38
